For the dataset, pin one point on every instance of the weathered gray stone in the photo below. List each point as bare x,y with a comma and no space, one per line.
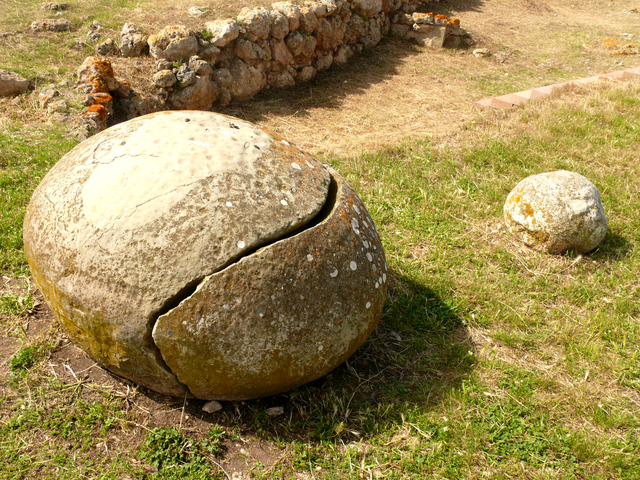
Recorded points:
372,33
281,80
105,48
163,64
246,80
355,27
209,54
324,62
302,46
156,245
185,76
368,8
164,78
306,73
555,212
399,30
132,41
279,25
198,95
12,84
290,11
47,96
256,22
248,50
54,7
200,66
51,25
308,20
281,56
222,32
172,43
428,35
342,55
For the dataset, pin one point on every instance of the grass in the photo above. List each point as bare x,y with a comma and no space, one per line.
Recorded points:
491,360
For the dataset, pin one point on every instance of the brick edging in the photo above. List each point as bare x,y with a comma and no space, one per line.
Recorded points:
511,99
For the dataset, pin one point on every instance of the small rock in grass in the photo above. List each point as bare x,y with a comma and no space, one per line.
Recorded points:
212,406
51,25
555,212
275,411
12,84
481,52
106,47
54,7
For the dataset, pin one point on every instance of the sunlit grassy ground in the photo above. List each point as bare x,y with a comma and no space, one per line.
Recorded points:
491,360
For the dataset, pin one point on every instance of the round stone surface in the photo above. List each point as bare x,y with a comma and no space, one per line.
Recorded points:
195,253
555,212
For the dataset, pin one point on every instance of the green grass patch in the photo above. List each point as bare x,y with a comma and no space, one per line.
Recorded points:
25,157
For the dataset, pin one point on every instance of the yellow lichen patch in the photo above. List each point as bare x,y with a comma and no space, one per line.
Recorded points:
528,209
619,48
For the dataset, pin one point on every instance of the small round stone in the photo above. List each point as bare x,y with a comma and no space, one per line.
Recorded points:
555,212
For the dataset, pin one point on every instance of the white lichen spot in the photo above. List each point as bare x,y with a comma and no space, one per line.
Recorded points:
384,277
284,202
365,243
353,265
229,204
241,244
262,311
379,279
310,257
334,274
296,166
366,225
355,207
377,285
320,348
309,164
369,257
354,223
374,267
368,305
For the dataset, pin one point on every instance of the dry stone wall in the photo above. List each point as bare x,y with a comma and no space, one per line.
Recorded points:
233,59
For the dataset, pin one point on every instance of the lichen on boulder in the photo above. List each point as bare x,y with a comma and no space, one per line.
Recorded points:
556,211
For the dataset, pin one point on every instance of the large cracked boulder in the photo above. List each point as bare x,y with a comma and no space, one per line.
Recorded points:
194,253
556,211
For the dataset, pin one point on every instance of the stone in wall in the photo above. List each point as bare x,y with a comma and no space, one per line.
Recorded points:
175,42
277,47
222,32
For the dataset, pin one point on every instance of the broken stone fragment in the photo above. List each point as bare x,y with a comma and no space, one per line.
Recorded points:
105,48
51,25
164,78
195,253
132,40
555,212
198,95
428,35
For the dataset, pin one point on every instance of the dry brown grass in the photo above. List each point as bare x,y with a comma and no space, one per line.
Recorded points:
395,90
